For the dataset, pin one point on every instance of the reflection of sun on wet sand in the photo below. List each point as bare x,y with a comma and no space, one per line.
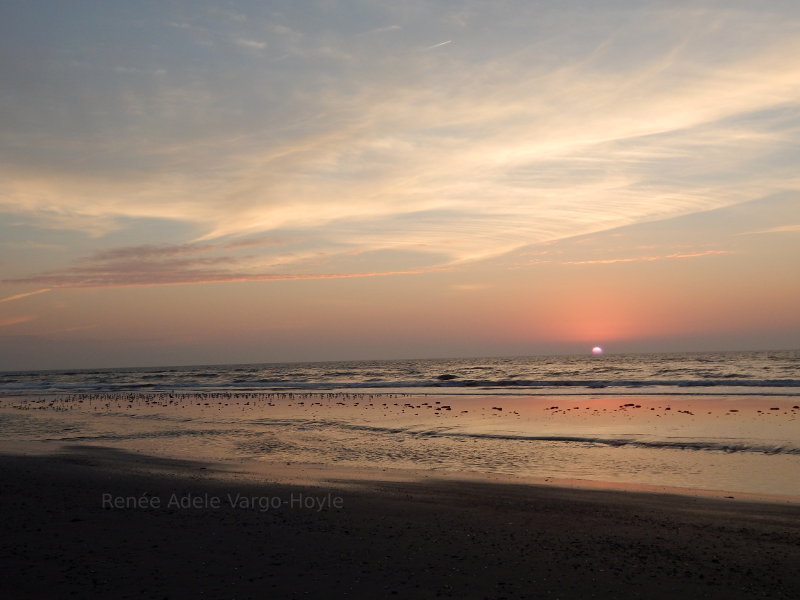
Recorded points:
744,444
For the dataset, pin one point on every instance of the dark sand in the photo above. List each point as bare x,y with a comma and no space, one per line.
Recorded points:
460,539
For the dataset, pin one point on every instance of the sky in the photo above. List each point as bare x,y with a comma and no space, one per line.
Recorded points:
192,182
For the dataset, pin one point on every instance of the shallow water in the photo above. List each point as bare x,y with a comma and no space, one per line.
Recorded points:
735,443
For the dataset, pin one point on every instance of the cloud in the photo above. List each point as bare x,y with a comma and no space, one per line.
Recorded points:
439,45
149,252
382,29
179,276
255,242
778,229
7,321
608,261
528,130
32,245
252,44
24,295
173,265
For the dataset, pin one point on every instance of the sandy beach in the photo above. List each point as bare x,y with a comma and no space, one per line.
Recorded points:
92,521
361,495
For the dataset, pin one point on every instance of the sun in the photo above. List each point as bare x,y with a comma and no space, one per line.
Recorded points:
597,350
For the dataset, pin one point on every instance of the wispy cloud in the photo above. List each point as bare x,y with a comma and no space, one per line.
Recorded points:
253,44
439,45
779,229
632,259
33,245
8,321
190,276
149,252
175,265
255,242
386,29
24,295
359,141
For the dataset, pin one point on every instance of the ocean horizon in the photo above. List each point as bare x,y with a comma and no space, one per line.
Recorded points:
742,371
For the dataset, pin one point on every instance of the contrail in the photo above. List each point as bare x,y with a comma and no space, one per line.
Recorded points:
25,295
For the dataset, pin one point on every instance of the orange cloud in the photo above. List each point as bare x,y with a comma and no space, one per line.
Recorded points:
16,320
607,261
175,264
24,295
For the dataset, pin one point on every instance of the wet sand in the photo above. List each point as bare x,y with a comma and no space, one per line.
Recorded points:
377,536
743,444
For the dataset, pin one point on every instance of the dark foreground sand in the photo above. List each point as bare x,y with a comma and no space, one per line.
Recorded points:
389,539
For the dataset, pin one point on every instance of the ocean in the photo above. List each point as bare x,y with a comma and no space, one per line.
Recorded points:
742,372
704,421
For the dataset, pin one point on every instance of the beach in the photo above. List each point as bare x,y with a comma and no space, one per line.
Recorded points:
92,521
746,443
365,495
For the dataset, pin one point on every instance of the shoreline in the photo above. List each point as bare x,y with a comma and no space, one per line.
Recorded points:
391,537
427,392
691,446
318,474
